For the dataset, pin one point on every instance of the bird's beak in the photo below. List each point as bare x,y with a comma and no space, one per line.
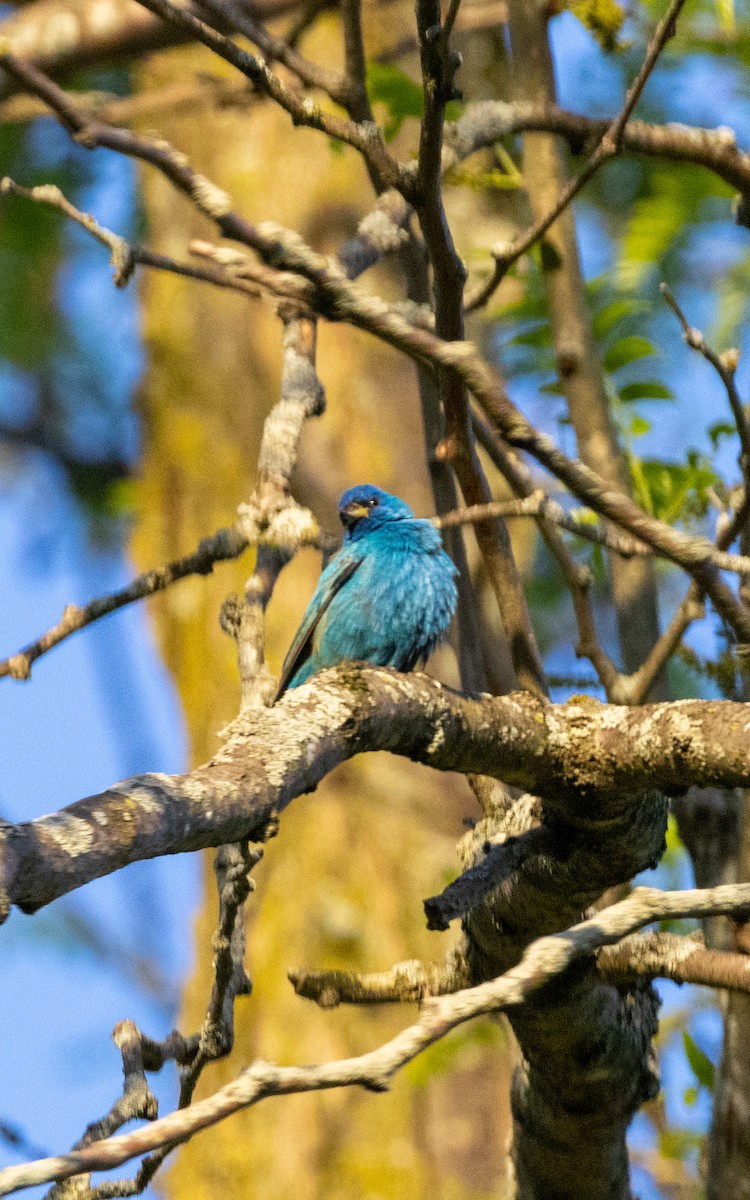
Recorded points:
352,513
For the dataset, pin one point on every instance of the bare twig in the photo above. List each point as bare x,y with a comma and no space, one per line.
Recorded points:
489,121
684,959
356,100
607,148
214,1040
406,982
122,258
542,961
577,577
223,545
303,110
275,49
725,366
539,504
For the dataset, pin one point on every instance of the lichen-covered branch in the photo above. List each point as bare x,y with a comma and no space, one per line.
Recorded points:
338,299
545,959
670,956
490,121
583,758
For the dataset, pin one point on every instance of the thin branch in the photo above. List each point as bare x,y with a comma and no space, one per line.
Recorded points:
633,689
302,396
356,100
607,148
214,1040
121,255
275,49
338,299
224,545
577,521
543,960
303,110
288,528
439,65
670,956
144,106
450,18
577,577
485,123
405,983
725,366
683,959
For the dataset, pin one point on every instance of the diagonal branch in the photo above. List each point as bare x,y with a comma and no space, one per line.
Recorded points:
338,299
303,110
543,960
607,148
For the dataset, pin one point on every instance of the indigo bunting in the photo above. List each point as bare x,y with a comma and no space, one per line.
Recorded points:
386,597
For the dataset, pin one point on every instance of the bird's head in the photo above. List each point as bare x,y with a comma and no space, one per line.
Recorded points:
367,507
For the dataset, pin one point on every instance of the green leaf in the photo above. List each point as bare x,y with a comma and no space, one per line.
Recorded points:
638,426
700,1063
556,388
674,491
611,314
537,335
691,1095
645,389
603,18
402,97
627,350
719,430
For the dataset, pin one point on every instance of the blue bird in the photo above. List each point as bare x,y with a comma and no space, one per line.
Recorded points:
386,597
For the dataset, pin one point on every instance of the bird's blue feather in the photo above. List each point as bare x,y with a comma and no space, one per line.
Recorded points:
387,597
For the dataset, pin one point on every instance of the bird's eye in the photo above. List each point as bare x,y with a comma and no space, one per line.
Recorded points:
372,502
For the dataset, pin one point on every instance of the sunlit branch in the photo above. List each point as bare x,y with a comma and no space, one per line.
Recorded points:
607,148
542,961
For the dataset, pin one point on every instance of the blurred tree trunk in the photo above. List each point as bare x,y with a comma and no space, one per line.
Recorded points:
343,882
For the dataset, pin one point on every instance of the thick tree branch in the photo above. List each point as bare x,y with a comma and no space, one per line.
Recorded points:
582,757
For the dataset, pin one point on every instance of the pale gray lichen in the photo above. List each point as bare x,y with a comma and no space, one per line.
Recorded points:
72,835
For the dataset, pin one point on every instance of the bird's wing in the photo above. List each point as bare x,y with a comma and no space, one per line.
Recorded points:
336,574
